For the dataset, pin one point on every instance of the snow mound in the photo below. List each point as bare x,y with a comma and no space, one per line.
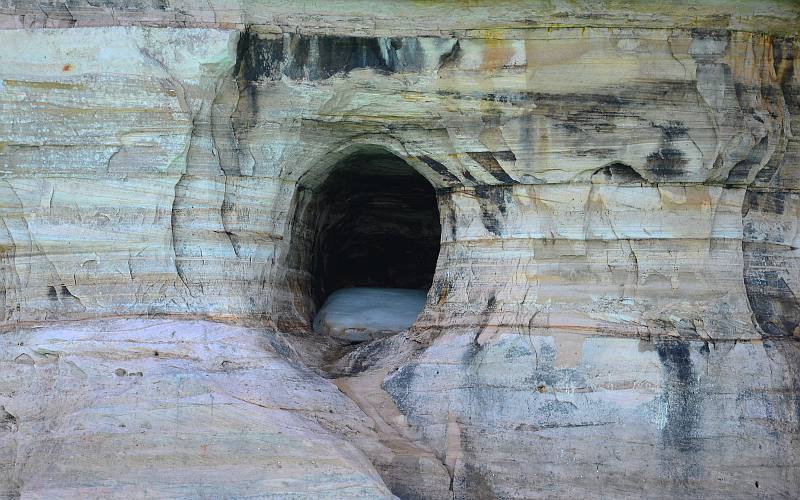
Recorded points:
360,314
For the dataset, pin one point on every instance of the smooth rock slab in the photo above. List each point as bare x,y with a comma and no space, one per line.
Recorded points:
164,409
360,314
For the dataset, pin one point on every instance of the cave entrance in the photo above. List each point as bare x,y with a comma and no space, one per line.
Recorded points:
371,225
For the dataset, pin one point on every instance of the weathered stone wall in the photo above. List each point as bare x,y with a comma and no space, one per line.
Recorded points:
614,158
614,308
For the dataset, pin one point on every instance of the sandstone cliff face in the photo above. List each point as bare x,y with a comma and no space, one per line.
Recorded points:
614,306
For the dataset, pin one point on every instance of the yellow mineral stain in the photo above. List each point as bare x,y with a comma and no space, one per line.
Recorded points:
45,85
681,197
496,54
453,442
415,97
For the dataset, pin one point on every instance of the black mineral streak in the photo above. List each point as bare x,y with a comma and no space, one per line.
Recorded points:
8,422
258,58
320,57
492,200
619,173
488,161
451,58
438,168
775,307
667,163
683,401
740,172
673,130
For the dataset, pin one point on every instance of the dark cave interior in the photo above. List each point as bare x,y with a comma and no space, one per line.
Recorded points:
376,225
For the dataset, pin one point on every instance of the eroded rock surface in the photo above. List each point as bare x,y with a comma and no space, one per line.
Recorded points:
513,415
614,308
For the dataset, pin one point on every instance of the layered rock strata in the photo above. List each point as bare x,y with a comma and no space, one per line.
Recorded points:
614,306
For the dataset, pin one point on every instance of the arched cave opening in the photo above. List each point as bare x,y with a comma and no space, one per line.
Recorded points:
370,232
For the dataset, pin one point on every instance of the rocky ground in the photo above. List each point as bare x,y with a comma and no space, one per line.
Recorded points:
176,408
163,408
